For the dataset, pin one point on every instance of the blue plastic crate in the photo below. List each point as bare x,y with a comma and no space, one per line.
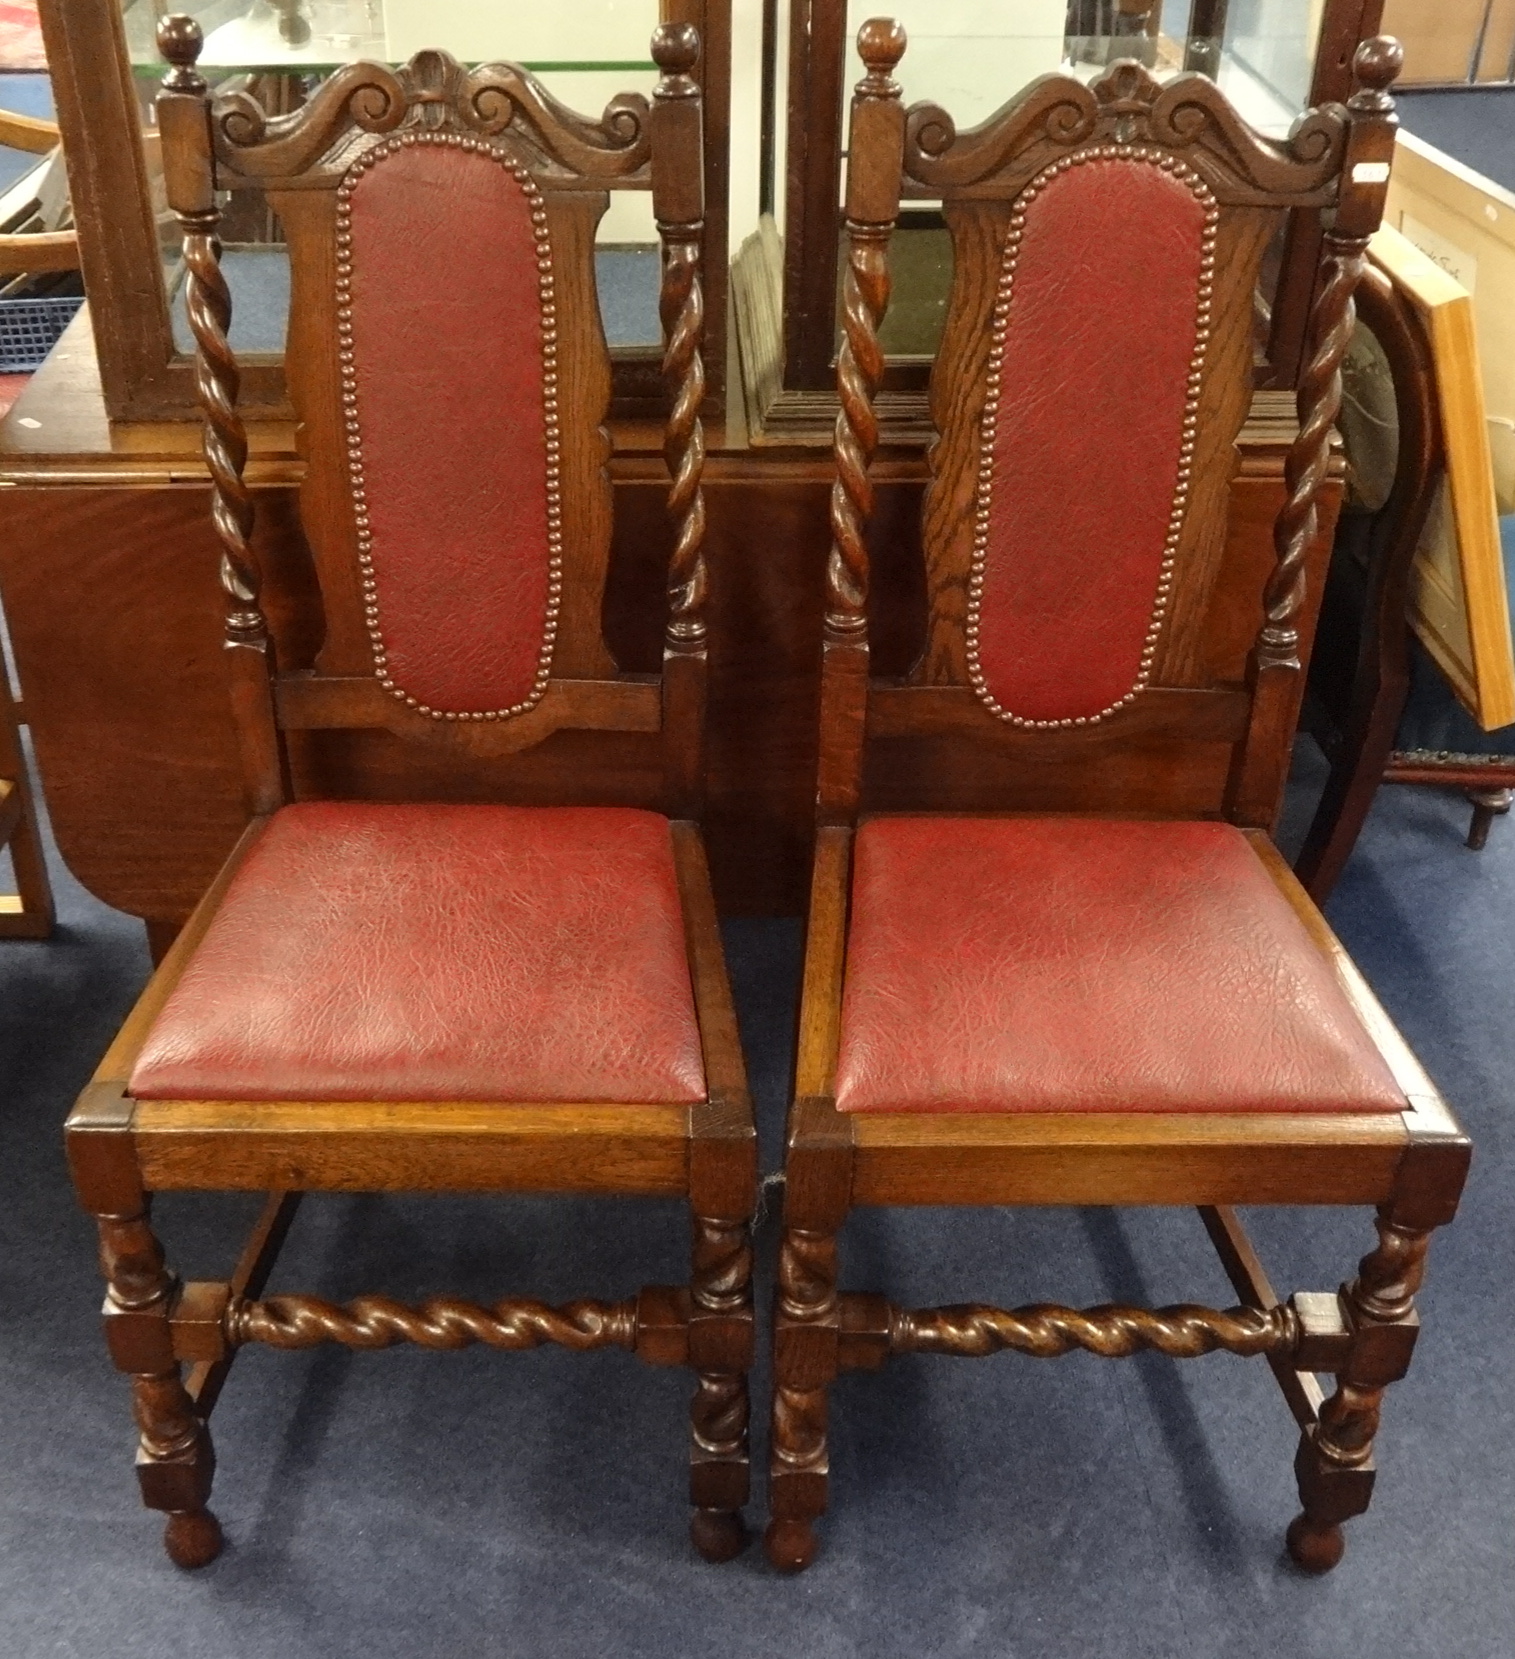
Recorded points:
29,329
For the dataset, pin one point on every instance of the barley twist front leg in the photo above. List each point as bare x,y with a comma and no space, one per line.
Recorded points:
720,1350
806,1320
1335,1461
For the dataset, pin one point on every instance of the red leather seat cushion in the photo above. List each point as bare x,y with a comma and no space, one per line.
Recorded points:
1078,965
368,952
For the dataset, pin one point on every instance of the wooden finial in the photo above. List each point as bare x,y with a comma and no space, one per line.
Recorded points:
881,45
179,41
875,158
1370,140
678,207
1374,70
676,47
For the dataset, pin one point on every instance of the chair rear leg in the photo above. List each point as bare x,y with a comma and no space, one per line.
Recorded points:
1334,1466
805,1339
1488,804
720,1351
175,1460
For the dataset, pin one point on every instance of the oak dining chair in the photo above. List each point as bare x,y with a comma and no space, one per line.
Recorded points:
1053,956
440,995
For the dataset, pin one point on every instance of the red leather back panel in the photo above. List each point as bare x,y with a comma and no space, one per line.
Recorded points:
452,451
1082,964
437,952
1100,300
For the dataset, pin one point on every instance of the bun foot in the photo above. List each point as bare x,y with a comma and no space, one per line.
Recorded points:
1313,1548
192,1538
790,1545
718,1534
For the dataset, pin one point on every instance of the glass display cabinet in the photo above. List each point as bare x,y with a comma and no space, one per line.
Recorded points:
106,70
1273,58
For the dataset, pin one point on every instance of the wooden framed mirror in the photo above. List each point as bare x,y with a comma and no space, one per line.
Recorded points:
1273,59
105,67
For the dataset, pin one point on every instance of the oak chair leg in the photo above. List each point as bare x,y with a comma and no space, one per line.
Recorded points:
805,1339
1334,1465
720,1350
175,1461
1488,804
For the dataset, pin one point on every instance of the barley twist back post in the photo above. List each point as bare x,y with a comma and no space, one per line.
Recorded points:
876,147
1277,677
189,174
876,159
678,204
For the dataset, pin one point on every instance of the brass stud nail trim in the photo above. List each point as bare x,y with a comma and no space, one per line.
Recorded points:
353,422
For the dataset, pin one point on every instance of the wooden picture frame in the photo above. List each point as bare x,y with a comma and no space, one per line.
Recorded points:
1458,604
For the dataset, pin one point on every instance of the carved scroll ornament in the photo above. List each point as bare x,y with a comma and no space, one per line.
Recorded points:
434,92
1127,106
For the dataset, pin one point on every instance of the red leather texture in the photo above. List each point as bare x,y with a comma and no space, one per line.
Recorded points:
480,953
447,352
1085,965
1094,383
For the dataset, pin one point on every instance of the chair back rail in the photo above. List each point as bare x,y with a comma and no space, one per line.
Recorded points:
451,378
1086,563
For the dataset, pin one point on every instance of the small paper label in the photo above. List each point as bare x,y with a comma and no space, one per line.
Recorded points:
1456,262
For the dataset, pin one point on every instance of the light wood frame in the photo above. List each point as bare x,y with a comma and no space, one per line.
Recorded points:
1461,615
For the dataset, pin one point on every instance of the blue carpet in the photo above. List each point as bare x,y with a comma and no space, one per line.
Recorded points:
412,1504
1475,127
258,278
628,281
